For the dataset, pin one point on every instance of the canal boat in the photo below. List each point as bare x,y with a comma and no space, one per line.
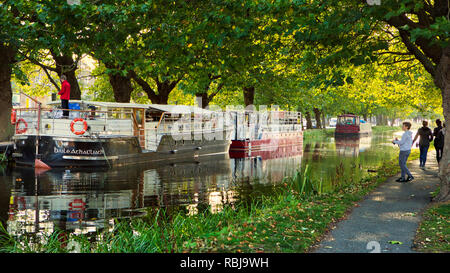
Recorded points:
269,134
349,124
107,133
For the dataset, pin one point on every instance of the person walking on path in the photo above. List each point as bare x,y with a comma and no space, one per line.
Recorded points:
405,149
426,135
64,95
438,134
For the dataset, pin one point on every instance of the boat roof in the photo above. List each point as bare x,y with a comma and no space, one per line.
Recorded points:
347,115
178,109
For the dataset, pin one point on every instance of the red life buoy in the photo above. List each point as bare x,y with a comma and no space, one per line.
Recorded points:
78,132
13,116
24,129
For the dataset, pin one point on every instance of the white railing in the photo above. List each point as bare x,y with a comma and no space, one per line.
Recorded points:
182,128
32,121
253,125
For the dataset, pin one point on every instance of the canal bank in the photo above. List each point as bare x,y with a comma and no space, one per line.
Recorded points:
291,220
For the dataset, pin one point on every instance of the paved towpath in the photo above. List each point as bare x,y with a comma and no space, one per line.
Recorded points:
390,213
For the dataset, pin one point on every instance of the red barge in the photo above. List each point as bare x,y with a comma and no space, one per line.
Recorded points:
350,124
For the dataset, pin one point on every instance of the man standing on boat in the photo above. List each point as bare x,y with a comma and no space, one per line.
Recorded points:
64,95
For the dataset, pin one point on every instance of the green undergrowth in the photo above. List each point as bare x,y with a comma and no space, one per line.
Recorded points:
292,219
433,234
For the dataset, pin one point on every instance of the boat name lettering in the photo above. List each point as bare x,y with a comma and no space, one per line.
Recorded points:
77,151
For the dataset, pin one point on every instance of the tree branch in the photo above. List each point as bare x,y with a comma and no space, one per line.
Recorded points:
393,53
145,86
424,60
33,61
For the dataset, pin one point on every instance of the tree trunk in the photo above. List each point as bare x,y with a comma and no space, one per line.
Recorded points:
308,120
164,89
67,66
203,98
392,121
442,80
381,120
6,59
317,116
121,85
249,95
75,91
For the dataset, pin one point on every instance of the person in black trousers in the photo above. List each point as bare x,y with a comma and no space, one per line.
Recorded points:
438,134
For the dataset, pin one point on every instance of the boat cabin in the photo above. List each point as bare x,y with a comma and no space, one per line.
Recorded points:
351,124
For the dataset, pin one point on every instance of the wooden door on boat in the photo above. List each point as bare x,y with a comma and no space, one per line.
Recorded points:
139,125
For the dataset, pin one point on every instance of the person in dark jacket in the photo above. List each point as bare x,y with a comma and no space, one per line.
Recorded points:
426,135
438,134
64,95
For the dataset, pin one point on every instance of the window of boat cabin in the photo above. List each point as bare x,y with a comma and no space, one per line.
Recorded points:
119,113
348,120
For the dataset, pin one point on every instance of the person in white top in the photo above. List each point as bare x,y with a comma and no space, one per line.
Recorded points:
405,149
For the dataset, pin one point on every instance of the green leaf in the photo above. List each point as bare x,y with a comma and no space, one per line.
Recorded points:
395,242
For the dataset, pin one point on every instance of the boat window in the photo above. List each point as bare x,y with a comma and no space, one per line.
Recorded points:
347,120
119,113
139,117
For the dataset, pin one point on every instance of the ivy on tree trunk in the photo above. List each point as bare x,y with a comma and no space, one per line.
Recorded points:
7,54
442,80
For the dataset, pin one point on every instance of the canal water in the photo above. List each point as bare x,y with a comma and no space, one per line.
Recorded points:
84,201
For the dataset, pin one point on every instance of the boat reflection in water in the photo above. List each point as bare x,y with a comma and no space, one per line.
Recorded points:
84,201
351,146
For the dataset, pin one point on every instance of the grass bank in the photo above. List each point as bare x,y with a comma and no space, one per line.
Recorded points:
311,133
433,234
378,129
292,219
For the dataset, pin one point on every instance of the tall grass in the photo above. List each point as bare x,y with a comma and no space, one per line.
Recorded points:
160,231
304,184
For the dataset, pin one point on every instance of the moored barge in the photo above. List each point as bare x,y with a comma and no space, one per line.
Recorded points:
106,134
349,125
269,134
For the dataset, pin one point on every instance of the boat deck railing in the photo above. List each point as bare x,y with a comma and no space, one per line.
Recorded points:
253,124
182,128
79,123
